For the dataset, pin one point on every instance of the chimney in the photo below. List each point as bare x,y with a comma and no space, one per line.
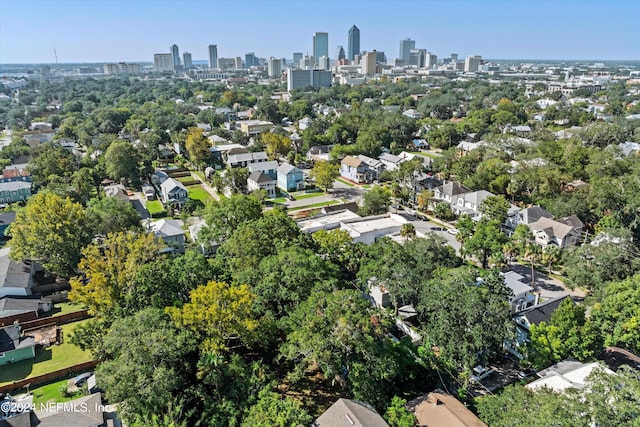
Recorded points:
537,301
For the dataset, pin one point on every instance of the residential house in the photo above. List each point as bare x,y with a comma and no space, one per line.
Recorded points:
531,316
420,144
243,160
158,177
220,153
22,309
149,192
522,296
566,374
391,162
439,409
290,178
447,192
269,168
174,193
412,114
305,123
262,181
14,191
526,216
320,153
551,232
374,165
171,233
86,411
116,191
518,130
255,127
574,222
228,114
206,248
16,172
36,137
350,413
468,146
356,170
14,347
6,219
470,203
16,277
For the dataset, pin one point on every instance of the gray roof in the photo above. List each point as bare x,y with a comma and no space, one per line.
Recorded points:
170,184
263,166
477,197
533,214
390,158
260,177
14,185
167,228
542,312
513,281
14,274
286,168
246,157
350,413
89,417
453,188
10,339
7,217
11,303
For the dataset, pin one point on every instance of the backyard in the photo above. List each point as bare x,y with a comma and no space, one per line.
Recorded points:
154,207
48,359
197,192
51,393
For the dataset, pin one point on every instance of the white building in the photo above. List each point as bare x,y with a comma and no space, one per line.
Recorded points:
274,67
472,64
162,62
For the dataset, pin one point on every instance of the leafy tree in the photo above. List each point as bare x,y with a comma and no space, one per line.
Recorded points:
235,180
568,333
376,200
221,315
276,145
108,266
274,410
121,162
197,146
495,208
617,314
324,174
51,160
443,211
408,231
51,231
226,215
487,239
397,415
337,247
145,365
613,400
110,215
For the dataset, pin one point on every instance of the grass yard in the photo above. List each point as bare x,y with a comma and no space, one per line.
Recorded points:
278,200
308,195
316,205
154,206
47,359
200,175
51,393
64,308
196,192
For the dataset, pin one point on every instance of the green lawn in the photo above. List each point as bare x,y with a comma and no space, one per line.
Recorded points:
64,308
345,182
47,360
201,175
196,192
423,154
154,206
316,205
51,393
308,195
278,200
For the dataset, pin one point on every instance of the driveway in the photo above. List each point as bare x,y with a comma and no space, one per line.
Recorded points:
548,287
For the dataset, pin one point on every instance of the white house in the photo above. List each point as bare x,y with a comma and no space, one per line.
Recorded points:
173,192
171,232
261,181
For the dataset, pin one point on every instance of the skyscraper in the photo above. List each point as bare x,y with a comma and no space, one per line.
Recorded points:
175,55
274,67
297,56
405,49
186,59
250,60
162,62
320,45
472,63
340,53
353,47
368,63
213,56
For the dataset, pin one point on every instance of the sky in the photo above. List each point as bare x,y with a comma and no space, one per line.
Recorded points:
134,30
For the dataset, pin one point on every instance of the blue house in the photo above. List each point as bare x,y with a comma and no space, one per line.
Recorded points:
14,191
290,178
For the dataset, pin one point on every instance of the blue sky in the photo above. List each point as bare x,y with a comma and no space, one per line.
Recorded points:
133,30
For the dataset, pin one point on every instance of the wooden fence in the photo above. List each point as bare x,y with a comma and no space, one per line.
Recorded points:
44,378
58,320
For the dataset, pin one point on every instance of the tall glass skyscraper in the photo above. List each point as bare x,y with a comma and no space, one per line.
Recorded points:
405,49
320,45
353,47
175,55
213,56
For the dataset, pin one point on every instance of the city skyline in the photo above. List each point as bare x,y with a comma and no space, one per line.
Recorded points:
113,31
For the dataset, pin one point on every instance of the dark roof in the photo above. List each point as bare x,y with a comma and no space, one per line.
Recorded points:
259,177
350,413
615,357
351,206
21,303
542,312
7,217
22,419
89,412
10,339
534,213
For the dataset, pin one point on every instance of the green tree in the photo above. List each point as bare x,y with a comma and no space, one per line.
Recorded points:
324,174
226,215
108,267
51,160
121,162
568,333
197,146
408,231
51,231
221,315
110,215
495,208
487,239
275,410
397,415
551,255
376,200
276,145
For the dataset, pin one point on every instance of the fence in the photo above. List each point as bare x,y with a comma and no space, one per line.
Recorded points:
58,320
16,385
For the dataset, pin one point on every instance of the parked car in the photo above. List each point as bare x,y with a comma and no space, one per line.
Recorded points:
453,231
411,212
82,378
480,373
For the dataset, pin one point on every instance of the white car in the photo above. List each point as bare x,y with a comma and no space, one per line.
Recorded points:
480,373
453,231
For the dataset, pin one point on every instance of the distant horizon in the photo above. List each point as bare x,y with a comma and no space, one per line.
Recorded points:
101,31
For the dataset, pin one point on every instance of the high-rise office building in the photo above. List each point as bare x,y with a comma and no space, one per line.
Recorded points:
405,49
250,60
381,58
353,45
472,63
238,63
320,45
432,60
368,63
122,68
175,55
186,60
163,62
340,55
299,79
297,56
274,67
213,56
418,57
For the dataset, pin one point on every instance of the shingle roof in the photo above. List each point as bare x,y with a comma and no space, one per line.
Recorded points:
551,227
167,227
10,339
534,213
89,412
438,409
263,166
354,162
350,413
260,177
542,312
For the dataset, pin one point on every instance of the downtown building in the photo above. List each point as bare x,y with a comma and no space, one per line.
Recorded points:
353,44
300,79
213,56
274,67
162,62
122,68
320,45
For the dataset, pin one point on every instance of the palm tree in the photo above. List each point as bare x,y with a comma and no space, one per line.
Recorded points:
532,254
408,231
510,249
551,255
